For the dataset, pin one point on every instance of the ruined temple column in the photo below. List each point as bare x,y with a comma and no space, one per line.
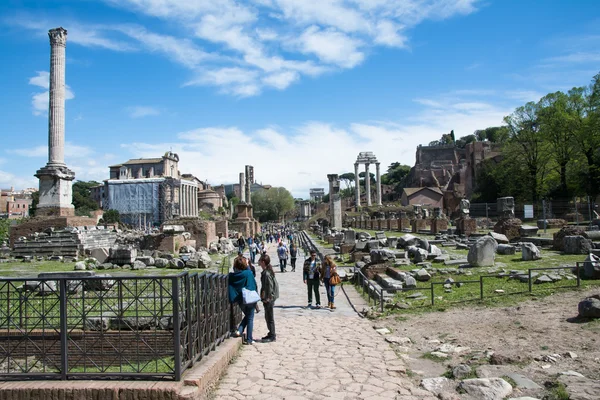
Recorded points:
378,177
357,183
182,207
242,188
368,184
249,177
56,111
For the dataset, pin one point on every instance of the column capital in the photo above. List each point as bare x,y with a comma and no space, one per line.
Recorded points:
58,36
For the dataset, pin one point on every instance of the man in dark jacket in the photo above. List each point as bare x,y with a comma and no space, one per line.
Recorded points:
269,292
312,275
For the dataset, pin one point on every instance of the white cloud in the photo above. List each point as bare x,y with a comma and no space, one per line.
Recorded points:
300,157
142,111
40,101
274,42
331,47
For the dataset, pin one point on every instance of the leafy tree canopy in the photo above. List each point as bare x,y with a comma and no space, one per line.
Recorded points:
272,204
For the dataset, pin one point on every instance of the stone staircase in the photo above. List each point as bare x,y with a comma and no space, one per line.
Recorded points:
69,242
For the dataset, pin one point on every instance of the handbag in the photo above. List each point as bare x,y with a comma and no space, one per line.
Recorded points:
250,296
335,279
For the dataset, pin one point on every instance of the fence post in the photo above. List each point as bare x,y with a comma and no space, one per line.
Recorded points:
576,213
176,327
578,276
432,294
544,214
529,280
64,345
188,318
590,210
481,287
381,300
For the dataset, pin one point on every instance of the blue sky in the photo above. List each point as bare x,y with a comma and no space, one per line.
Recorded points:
294,87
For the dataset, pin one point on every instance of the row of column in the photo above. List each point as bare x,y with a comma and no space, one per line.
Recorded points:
188,200
368,183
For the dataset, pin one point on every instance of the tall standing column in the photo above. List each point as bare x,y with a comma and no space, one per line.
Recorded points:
368,184
56,112
182,200
249,182
56,193
357,184
378,176
242,188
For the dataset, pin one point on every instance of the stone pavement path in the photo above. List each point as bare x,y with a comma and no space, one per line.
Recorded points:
319,354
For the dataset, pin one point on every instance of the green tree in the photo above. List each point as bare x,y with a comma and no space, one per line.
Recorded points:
271,204
82,198
348,179
35,200
526,145
4,229
494,134
396,175
111,217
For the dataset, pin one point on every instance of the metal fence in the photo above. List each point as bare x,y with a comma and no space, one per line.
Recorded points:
580,210
378,295
99,327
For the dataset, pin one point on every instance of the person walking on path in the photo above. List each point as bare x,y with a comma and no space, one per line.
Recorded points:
329,269
311,275
282,253
253,248
242,278
269,292
241,244
293,256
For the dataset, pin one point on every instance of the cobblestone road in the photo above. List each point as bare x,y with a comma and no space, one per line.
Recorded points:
319,354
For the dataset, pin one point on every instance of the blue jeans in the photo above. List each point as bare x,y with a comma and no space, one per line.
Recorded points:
330,289
248,321
282,264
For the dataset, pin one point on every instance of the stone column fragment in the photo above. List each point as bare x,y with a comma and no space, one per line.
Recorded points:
368,184
378,177
357,184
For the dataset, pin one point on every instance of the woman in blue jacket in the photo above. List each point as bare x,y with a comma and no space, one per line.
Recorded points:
242,278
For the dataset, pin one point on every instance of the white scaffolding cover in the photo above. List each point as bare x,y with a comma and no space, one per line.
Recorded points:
136,199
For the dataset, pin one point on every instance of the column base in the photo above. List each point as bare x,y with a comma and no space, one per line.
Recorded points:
56,193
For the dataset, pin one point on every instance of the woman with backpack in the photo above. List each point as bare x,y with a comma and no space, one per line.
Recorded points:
269,292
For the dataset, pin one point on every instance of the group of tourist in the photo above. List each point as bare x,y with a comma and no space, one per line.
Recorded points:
243,289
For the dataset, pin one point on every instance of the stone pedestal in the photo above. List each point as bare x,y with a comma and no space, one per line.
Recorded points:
466,226
392,224
418,224
404,223
244,223
509,227
56,191
439,225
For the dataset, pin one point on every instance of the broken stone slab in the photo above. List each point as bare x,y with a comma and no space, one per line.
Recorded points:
486,388
442,258
461,371
161,262
543,279
500,238
436,386
137,265
483,252
523,382
589,308
460,261
407,240
439,354
506,249
422,275
410,282
528,230
383,331
577,245
415,295
591,267
361,246
173,228
530,252
571,373
176,263
132,323
398,340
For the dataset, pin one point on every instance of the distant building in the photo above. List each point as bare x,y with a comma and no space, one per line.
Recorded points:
149,191
427,196
15,204
317,194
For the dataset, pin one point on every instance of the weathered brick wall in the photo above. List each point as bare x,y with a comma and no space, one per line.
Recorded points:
222,227
41,224
107,348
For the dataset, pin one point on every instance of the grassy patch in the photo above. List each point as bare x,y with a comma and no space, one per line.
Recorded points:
433,357
557,391
510,380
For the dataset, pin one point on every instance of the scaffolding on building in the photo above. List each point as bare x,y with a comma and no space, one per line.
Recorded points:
144,203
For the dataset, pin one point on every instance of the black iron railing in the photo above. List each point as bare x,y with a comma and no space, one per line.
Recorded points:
140,327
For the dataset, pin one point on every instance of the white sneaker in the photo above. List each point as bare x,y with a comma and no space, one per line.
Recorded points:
251,342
